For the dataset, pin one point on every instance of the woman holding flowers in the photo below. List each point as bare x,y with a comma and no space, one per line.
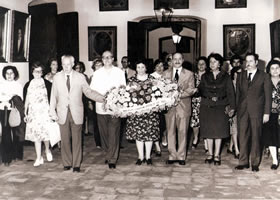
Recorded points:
144,129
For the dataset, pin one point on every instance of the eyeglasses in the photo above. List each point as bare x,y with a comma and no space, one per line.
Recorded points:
10,73
107,57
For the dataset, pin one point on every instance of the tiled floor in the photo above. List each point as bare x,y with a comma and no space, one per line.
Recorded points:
195,180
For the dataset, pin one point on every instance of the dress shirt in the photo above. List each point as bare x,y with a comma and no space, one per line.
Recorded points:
253,72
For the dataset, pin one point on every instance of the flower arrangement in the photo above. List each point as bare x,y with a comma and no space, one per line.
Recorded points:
141,98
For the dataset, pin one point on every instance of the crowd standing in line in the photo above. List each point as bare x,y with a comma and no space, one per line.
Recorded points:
212,101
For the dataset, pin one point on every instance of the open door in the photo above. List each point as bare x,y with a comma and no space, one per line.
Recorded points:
136,42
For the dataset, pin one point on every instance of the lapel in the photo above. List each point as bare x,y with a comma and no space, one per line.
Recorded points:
182,76
63,78
256,77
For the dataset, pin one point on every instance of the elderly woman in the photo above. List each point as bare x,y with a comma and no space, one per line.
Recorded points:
217,104
143,128
271,134
10,88
37,97
53,70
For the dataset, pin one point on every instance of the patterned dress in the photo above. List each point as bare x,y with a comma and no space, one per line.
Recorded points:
195,105
144,127
38,112
271,130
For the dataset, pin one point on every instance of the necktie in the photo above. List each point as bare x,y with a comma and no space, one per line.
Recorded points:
68,82
125,75
249,79
176,75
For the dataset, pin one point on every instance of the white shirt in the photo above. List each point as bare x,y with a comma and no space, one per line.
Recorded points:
156,75
7,90
105,79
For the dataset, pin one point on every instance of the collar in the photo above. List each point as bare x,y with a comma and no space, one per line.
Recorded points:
179,70
71,74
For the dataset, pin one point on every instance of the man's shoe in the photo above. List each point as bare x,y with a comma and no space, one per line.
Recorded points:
112,166
106,161
182,162
255,168
66,168
241,167
76,169
170,162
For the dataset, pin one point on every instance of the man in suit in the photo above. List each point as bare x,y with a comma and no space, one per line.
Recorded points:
103,80
125,67
178,117
253,100
66,107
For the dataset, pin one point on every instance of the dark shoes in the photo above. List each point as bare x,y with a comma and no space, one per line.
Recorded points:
274,167
255,168
194,145
76,169
139,162
106,162
217,160
149,161
170,162
158,153
112,166
182,162
241,167
209,159
66,168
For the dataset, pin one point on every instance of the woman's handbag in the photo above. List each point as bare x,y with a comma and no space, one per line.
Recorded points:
14,118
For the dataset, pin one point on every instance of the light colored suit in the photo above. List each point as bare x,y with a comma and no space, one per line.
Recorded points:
67,106
178,116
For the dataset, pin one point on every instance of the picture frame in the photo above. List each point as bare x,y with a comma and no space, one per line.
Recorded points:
100,39
174,4
20,37
230,3
4,19
113,5
275,38
238,39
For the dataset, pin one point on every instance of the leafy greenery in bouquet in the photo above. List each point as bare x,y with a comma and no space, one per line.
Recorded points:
141,98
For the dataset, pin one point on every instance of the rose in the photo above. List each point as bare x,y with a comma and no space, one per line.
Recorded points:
142,92
148,98
134,94
141,100
134,100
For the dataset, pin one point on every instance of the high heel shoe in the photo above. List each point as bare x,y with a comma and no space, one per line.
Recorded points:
217,160
209,159
38,162
236,156
194,145
149,161
49,156
139,161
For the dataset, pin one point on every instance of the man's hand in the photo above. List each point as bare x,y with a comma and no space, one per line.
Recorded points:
265,118
231,113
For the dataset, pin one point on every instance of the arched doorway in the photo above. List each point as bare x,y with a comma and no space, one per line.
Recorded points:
150,39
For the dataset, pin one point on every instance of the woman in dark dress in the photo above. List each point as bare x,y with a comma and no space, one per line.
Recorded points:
143,128
217,104
271,136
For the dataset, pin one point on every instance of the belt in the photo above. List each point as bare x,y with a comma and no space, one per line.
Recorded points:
215,98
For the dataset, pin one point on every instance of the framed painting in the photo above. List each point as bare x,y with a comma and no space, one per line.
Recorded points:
175,4
238,39
4,18
20,37
113,5
275,38
230,3
100,39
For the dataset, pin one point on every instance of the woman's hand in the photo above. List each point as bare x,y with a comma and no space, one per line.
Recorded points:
231,113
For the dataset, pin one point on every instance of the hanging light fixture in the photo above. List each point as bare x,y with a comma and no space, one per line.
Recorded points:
176,29
176,38
163,14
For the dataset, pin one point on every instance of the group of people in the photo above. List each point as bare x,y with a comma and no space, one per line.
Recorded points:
242,103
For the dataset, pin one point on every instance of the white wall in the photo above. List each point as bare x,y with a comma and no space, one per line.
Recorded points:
276,10
23,67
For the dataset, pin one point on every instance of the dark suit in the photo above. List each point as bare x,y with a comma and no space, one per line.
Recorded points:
253,101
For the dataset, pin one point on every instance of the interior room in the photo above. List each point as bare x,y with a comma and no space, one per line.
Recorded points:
52,28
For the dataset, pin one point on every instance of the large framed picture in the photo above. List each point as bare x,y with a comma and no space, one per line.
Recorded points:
4,18
230,3
100,39
113,5
20,37
238,39
175,4
275,38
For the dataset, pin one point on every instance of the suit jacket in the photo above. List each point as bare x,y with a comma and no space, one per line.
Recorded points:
61,99
255,99
186,82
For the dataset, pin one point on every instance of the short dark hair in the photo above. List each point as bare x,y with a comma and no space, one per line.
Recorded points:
256,56
141,61
95,61
233,71
82,66
235,57
13,68
217,57
205,60
36,65
272,62
157,61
